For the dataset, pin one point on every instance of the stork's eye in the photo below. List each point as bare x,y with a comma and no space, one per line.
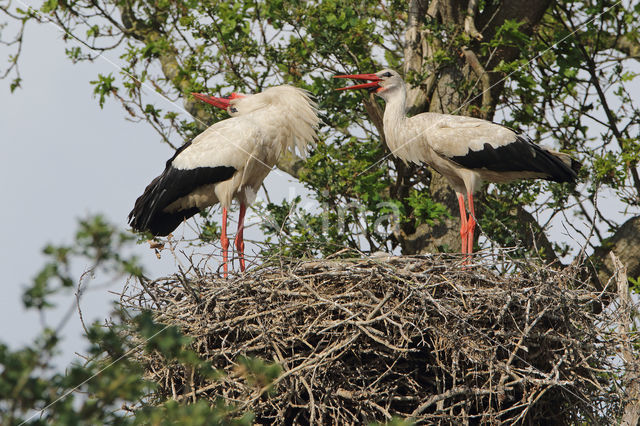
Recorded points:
387,74
233,109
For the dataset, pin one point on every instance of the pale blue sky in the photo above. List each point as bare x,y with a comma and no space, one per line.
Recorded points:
62,158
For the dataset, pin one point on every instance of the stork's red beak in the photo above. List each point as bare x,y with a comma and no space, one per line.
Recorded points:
375,80
222,103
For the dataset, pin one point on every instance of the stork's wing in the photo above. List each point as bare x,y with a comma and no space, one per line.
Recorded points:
149,212
212,157
479,144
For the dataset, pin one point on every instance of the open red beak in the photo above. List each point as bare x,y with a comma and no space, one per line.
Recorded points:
370,77
222,103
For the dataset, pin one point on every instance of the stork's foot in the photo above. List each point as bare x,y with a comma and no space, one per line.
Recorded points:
471,225
239,243
225,255
463,238
224,241
464,229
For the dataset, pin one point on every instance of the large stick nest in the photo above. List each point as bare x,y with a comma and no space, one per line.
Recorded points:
368,339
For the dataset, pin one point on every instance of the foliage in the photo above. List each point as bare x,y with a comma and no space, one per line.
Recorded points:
95,240
109,387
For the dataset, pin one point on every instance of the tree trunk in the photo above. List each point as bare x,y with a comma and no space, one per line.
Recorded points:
625,243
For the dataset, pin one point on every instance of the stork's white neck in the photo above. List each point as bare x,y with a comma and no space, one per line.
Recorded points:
394,117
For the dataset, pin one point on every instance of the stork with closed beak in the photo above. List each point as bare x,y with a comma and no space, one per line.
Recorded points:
223,103
467,151
228,161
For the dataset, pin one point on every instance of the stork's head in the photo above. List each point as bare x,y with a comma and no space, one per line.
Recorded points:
230,103
383,83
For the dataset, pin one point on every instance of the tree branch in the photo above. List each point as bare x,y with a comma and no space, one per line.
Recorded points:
536,238
626,243
624,44
593,72
375,113
478,69
631,377
469,20
291,164
415,51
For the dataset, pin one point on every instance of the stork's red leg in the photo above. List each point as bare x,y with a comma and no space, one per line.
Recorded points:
225,243
471,223
463,222
239,242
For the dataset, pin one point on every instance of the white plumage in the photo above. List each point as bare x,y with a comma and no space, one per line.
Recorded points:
467,151
228,161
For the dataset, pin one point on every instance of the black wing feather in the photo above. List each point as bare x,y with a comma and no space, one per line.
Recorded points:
521,155
148,212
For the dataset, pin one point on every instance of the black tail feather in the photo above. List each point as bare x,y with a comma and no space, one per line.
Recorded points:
149,212
575,165
522,155
162,224
556,169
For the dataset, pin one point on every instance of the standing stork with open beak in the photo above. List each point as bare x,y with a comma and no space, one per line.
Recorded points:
228,161
467,151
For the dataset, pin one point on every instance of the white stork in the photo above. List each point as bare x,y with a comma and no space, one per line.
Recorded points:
227,161
467,151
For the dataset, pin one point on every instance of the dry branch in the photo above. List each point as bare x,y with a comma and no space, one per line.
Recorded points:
365,339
